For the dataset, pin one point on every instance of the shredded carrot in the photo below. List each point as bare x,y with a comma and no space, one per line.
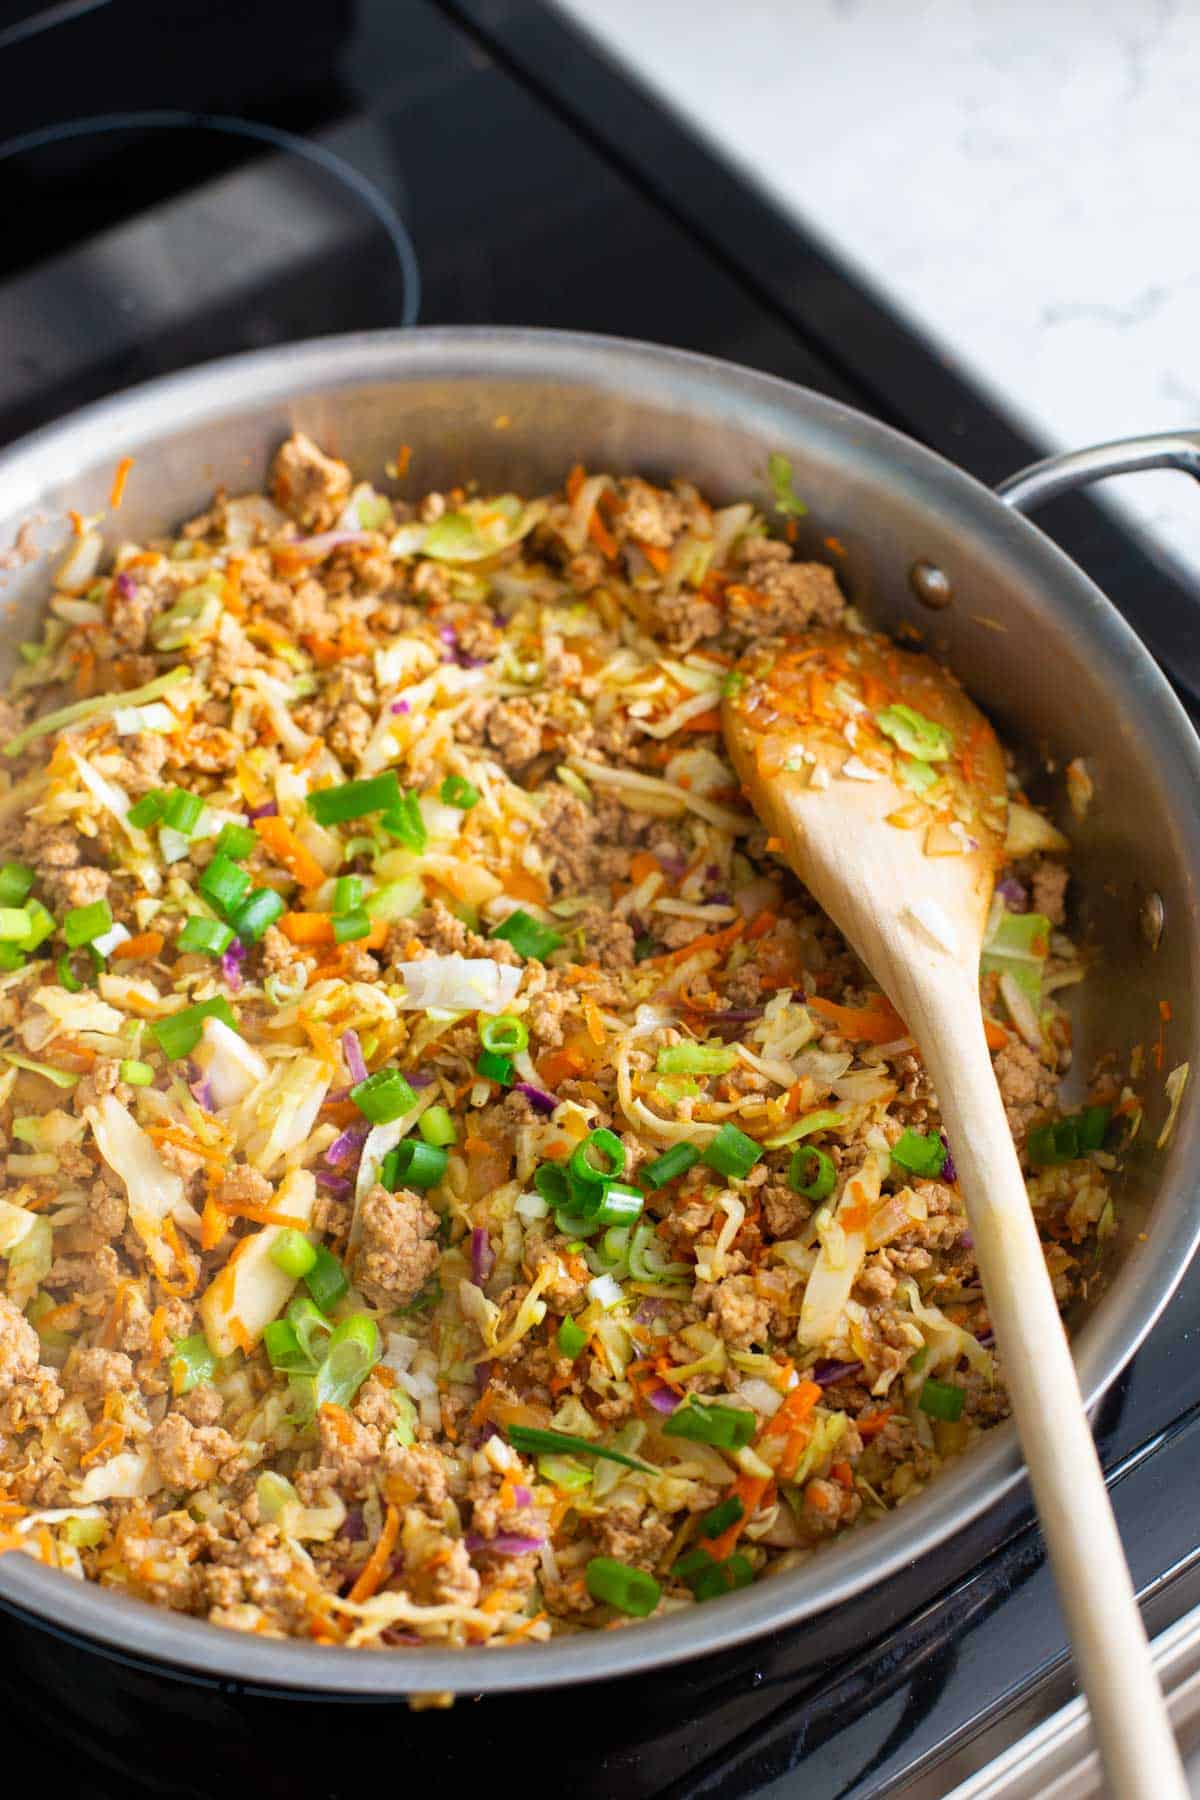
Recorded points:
869,1425
403,459
481,1409
141,948
109,1437
108,1331
321,1039
116,492
716,940
575,480
560,1066
523,884
602,537
795,1410
287,849
523,1629
158,1331
751,1490
317,928
818,1498
876,1023
643,864
705,721
595,1025
994,1032
186,1283
261,1215
761,926
183,1140
655,555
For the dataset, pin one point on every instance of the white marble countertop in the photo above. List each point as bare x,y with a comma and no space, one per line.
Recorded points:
1022,178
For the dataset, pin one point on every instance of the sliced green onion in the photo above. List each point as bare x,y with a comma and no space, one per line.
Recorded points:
1093,1127
709,1579
84,923
695,1059
405,821
675,1161
1054,1143
256,912
66,975
574,1225
16,924
191,1362
602,1144
284,1349
505,1035
437,1127
148,810
729,1512
811,1173
913,732
415,1164
942,1400
646,1261
16,879
383,1096
725,1427
352,1354
137,1074
550,1180
619,1204
919,1153
354,799
40,929
349,926
731,1152
917,1360
310,1324
326,1281
630,1590
527,937
293,1253
456,790
204,937
181,811
224,883
236,842
347,893
13,957
178,1034
531,1440
496,1068
572,1338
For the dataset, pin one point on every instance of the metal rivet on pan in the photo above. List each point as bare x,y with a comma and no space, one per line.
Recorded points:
931,585
1151,917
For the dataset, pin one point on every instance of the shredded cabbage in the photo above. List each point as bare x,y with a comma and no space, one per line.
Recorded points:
459,983
251,1290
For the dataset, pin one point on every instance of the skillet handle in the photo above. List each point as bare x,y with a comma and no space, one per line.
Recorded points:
1056,475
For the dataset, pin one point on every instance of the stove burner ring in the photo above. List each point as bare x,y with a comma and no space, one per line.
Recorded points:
365,190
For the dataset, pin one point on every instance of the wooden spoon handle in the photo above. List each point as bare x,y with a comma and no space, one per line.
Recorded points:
1133,1732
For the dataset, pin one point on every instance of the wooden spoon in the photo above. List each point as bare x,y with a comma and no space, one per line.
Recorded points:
905,866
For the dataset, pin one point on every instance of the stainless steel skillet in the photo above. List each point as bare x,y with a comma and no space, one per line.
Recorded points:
1035,641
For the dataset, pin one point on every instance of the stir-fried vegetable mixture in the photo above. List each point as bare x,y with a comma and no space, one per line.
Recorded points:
458,1186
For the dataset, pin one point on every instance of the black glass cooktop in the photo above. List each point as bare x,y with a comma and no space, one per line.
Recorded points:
535,183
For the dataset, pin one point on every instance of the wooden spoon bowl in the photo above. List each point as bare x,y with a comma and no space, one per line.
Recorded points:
884,788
